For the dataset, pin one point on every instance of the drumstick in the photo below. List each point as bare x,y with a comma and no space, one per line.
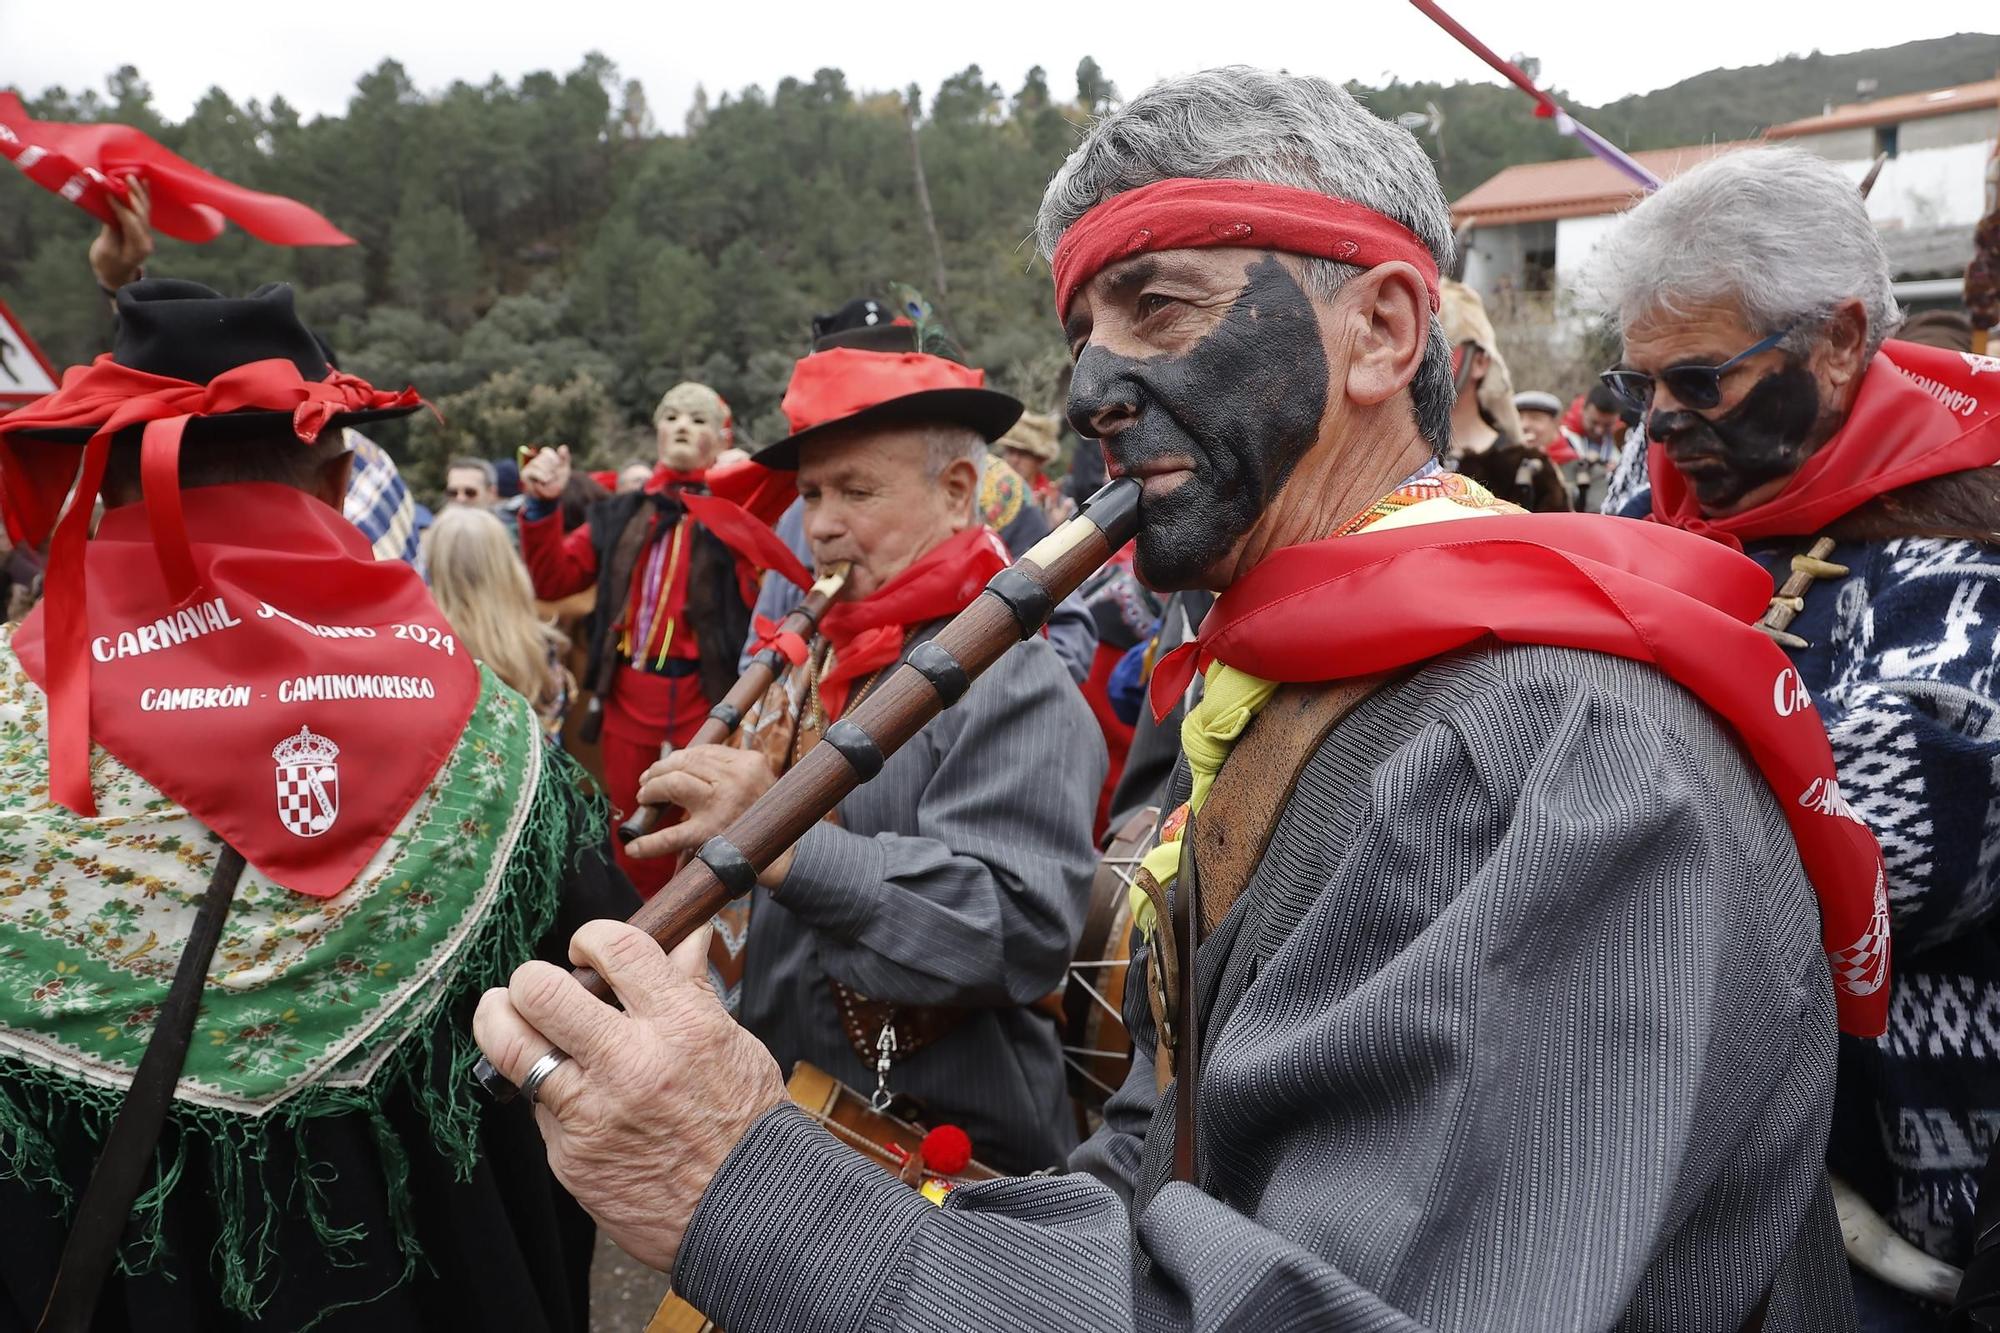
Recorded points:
725,717
1015,604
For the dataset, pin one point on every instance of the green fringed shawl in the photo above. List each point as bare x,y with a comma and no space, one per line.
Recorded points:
312,1008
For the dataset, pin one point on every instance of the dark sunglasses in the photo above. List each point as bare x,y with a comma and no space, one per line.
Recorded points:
1696,387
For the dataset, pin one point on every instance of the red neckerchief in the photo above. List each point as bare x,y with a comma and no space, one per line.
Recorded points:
297,702
868,635
108,398
1378,601
85,163
1921,412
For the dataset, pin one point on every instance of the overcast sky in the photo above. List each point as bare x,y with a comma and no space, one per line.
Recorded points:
312,52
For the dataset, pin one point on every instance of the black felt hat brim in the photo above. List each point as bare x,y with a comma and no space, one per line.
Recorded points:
987,411
228,428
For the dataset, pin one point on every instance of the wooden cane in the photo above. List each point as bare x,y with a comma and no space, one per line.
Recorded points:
765,664
1015,604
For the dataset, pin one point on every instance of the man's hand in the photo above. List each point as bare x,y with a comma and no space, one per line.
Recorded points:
642,1115
547,473
122,248
713,784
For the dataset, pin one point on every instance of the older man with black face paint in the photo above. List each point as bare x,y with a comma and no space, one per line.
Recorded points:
1755,302
1455,1012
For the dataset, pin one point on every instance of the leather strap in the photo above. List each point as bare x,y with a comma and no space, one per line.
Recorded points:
1221,850
94,1238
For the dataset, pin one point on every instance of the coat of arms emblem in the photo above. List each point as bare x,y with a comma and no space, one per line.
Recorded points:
308,783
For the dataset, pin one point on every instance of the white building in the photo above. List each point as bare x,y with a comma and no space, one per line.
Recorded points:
1534,226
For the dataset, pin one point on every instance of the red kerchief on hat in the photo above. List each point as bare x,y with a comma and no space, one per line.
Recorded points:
200,633
855,387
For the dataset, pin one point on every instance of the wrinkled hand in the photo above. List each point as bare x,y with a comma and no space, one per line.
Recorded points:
547,473
713,784
651,1101
123,247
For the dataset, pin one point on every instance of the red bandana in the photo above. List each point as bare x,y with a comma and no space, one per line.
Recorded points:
1377,601
85,163
1922,412
296,702
868,635
1188,214
108,398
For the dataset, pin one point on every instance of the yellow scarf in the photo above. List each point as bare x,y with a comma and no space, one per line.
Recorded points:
1230,698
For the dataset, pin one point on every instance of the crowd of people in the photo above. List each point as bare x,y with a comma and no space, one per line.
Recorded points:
1525,787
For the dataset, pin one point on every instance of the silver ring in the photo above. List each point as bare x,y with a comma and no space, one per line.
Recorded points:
539,1074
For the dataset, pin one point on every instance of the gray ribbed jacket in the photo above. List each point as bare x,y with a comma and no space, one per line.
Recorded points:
1523,1024
959,875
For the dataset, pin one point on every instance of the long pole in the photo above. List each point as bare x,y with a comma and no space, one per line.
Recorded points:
1545,105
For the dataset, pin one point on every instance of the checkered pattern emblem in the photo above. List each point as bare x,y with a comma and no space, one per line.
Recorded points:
1862,967
308,783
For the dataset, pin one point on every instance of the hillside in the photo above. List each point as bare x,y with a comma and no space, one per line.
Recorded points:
543,262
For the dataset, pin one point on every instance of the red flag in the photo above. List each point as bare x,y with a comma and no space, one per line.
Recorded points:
86,163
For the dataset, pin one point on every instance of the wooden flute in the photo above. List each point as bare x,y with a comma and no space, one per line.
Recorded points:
725,717
1014,605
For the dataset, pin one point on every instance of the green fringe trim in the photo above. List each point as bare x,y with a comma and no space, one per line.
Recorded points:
566,818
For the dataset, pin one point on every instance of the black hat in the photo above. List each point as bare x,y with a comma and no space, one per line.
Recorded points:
861,342
185,331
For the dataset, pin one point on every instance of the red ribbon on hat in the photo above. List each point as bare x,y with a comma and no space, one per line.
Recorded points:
1189,214
111,398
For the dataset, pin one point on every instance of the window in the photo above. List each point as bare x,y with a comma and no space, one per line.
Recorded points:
1885,140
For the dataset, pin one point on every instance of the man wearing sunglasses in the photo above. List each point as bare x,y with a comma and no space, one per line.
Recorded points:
1754,297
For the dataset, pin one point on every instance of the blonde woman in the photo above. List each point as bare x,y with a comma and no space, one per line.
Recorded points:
482,587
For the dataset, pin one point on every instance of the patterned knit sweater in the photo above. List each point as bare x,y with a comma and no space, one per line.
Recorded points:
1903,658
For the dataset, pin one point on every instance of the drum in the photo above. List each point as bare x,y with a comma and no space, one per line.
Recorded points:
883,1139
1096,1046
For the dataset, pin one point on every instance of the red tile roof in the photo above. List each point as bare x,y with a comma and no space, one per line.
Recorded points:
1895,110
1572,188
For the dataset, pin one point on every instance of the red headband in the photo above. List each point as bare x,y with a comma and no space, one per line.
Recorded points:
1188,214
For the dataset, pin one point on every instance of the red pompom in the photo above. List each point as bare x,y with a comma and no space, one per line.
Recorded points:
946,1150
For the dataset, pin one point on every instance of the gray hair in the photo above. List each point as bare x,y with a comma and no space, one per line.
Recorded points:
947,444
479,465
1238,123
1779,230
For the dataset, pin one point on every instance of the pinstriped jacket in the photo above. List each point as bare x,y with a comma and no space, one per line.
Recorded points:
1522,1024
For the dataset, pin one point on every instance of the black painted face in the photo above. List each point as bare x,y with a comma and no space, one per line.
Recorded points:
1765,437
1216,430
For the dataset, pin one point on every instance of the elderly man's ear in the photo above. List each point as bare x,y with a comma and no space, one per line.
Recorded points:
960,484
331,483
1841,353
1384,316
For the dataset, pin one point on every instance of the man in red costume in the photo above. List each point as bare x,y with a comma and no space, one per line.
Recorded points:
1456,1012
1786,420
673,596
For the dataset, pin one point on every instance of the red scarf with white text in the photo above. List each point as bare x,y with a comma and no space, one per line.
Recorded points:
297,703
1381,600
868,635
1921,412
